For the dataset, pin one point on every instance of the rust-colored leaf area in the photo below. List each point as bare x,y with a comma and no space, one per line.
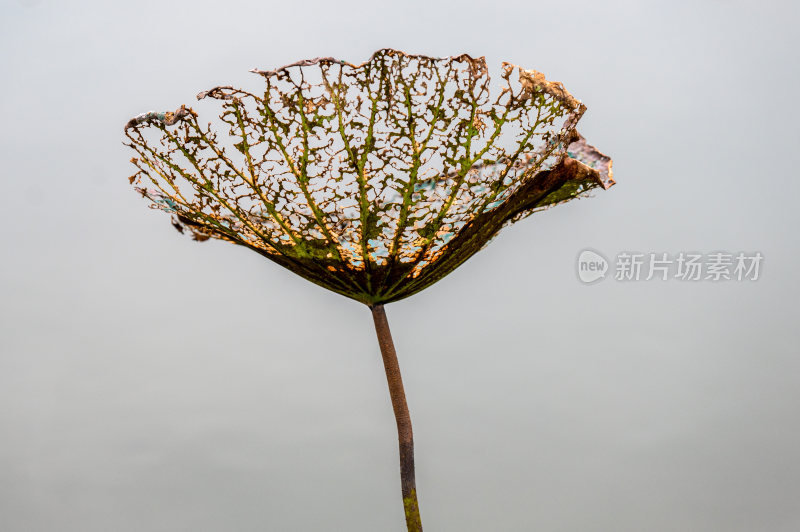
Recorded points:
372,180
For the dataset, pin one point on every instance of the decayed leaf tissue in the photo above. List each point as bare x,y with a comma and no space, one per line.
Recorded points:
372,180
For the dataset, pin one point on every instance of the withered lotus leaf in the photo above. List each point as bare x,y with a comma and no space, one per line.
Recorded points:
373,180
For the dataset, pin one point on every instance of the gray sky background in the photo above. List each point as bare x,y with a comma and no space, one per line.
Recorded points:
150,383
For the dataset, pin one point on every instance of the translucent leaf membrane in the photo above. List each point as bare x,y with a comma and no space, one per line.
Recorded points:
372,180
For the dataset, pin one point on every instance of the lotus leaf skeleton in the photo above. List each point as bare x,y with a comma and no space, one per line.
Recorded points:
373,180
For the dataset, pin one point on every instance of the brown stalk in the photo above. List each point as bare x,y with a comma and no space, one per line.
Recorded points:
404,433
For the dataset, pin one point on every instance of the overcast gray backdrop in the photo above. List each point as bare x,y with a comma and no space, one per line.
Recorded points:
149,383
